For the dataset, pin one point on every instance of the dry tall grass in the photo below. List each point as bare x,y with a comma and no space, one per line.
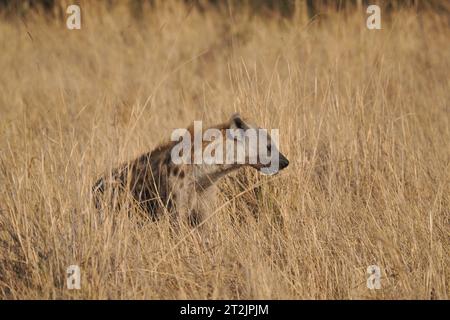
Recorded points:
363,117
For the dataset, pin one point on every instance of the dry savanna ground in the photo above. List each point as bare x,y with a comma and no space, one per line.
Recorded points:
363,117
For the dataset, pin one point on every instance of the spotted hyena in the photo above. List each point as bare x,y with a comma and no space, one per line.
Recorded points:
171,180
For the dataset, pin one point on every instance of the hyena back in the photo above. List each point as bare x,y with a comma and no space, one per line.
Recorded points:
151,181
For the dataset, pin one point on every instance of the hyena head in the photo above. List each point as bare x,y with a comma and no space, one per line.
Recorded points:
254,146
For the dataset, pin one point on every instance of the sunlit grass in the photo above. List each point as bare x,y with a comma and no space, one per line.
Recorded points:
363,118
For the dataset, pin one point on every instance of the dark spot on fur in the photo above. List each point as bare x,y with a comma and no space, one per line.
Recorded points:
175,171
194,218
99,186
167,159
170,205
181,175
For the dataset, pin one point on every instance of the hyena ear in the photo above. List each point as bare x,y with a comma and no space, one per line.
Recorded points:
237,127
236,122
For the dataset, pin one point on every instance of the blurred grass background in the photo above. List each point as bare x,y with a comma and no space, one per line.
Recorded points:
283,8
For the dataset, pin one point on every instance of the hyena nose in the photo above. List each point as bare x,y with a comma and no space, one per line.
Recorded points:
283,162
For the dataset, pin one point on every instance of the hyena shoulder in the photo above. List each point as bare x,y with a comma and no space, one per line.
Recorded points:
145,179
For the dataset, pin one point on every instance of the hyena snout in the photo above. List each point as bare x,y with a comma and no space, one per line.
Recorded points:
274,166
283,162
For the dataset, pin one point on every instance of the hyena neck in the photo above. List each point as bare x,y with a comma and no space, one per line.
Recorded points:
208,175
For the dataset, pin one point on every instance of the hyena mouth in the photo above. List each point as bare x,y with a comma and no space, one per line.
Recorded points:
273,167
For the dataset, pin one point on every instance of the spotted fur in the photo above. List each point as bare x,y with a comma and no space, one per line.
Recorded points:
159,186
